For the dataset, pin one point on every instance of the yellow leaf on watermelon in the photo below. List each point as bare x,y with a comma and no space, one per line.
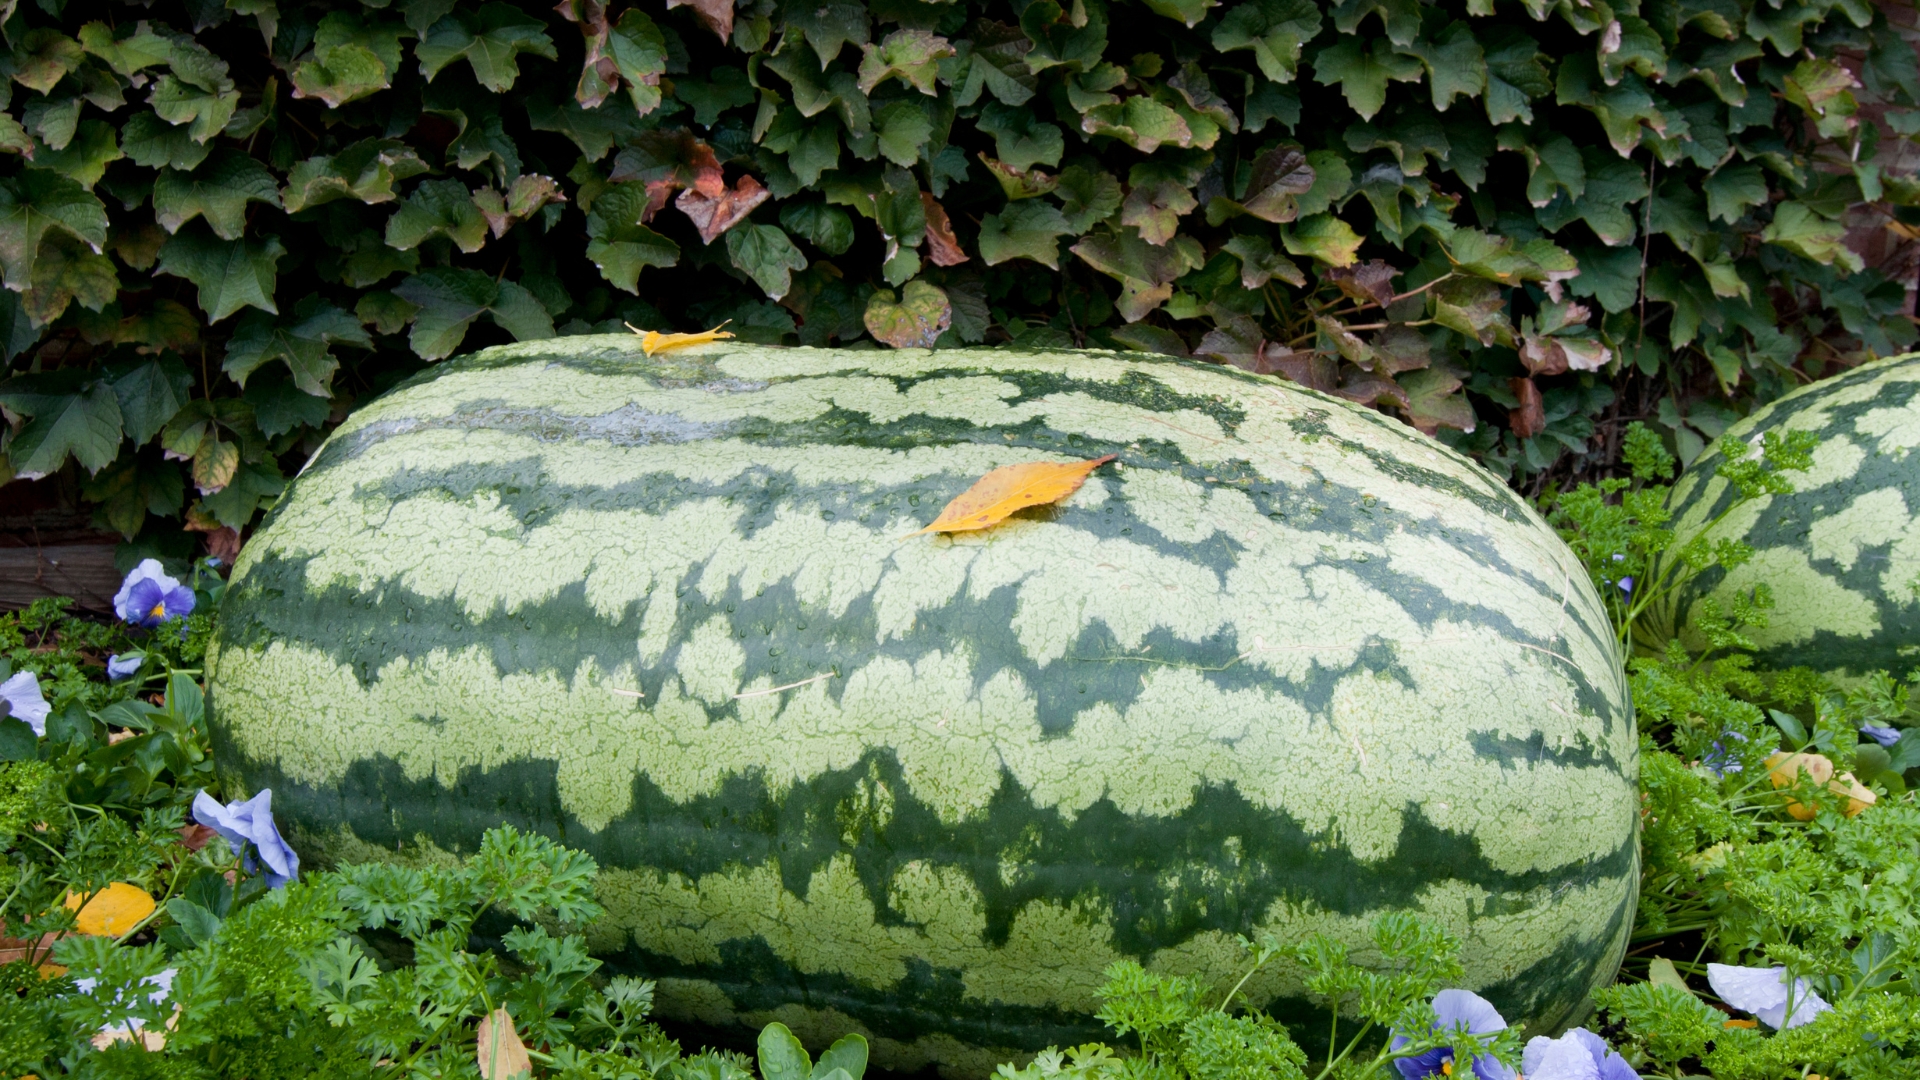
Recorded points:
502,1055
1010,488
653,341
112,911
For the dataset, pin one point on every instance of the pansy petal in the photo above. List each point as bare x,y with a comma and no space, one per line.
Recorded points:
25,702
1491,1068
1807,1006
1885,736
1749,989
1464,1008
1558,1059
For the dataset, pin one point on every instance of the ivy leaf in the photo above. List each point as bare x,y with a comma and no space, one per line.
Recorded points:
1630,43
1802,231
766,255
128,50
195,91
998,64
385,312
1362,75
304,342
84,424
1554,164
1621,109
728,88
350,60
1609,275
365,171
912,56
150,392
1073,39
231,274
594,131
85,158
1434,401
490,38
715,214
220,190
1017,184
1140,122
1455,64
1087,196
64,271
913,320
1823,90
1186,11
152,142
811,149
43,57
451,299
903,129
825,227
1612,184
1021,140
1322,237
1157,198
1145,271
1259,263
828,25
525,196
251,484
279,406
1399,18
1732,189
1515,74
437,208
717,14
34,202
618,244
1024,230
1277,178
1474,307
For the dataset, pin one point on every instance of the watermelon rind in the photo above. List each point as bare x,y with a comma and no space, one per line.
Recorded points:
1841,554
1284,665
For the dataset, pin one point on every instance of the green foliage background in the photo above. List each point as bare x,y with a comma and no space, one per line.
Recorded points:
223,225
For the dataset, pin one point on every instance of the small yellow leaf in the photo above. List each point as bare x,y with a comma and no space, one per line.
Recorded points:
1783,769
112,911
1731,1024
653,341
502,1055
1009,488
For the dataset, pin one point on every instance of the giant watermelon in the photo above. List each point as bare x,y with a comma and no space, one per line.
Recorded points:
1842,553
1285,664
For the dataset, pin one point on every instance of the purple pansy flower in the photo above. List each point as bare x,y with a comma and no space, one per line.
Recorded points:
248,828
1626,585
25,701
148,597
119,667
1577,1055
1885,736
1456,1009
1763,992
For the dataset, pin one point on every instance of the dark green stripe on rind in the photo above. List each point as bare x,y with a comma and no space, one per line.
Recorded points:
1842,553
1236,860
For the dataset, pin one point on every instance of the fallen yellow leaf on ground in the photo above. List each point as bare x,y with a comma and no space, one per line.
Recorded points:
502,1055
1783,769
112,911
1010,488
653,341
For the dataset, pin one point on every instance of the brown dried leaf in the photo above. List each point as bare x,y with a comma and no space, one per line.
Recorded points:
715,214
1400,348
1309,369
1009,488
1529,418
942,246
717,14
1370,282
1278,176
1367,388
501,1053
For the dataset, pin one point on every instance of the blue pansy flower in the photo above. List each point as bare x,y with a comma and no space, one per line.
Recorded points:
1765,993
119,667
248,828
1719,760
1885,736
1626,585
1577,1055
24,701
148,597
1456,1009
